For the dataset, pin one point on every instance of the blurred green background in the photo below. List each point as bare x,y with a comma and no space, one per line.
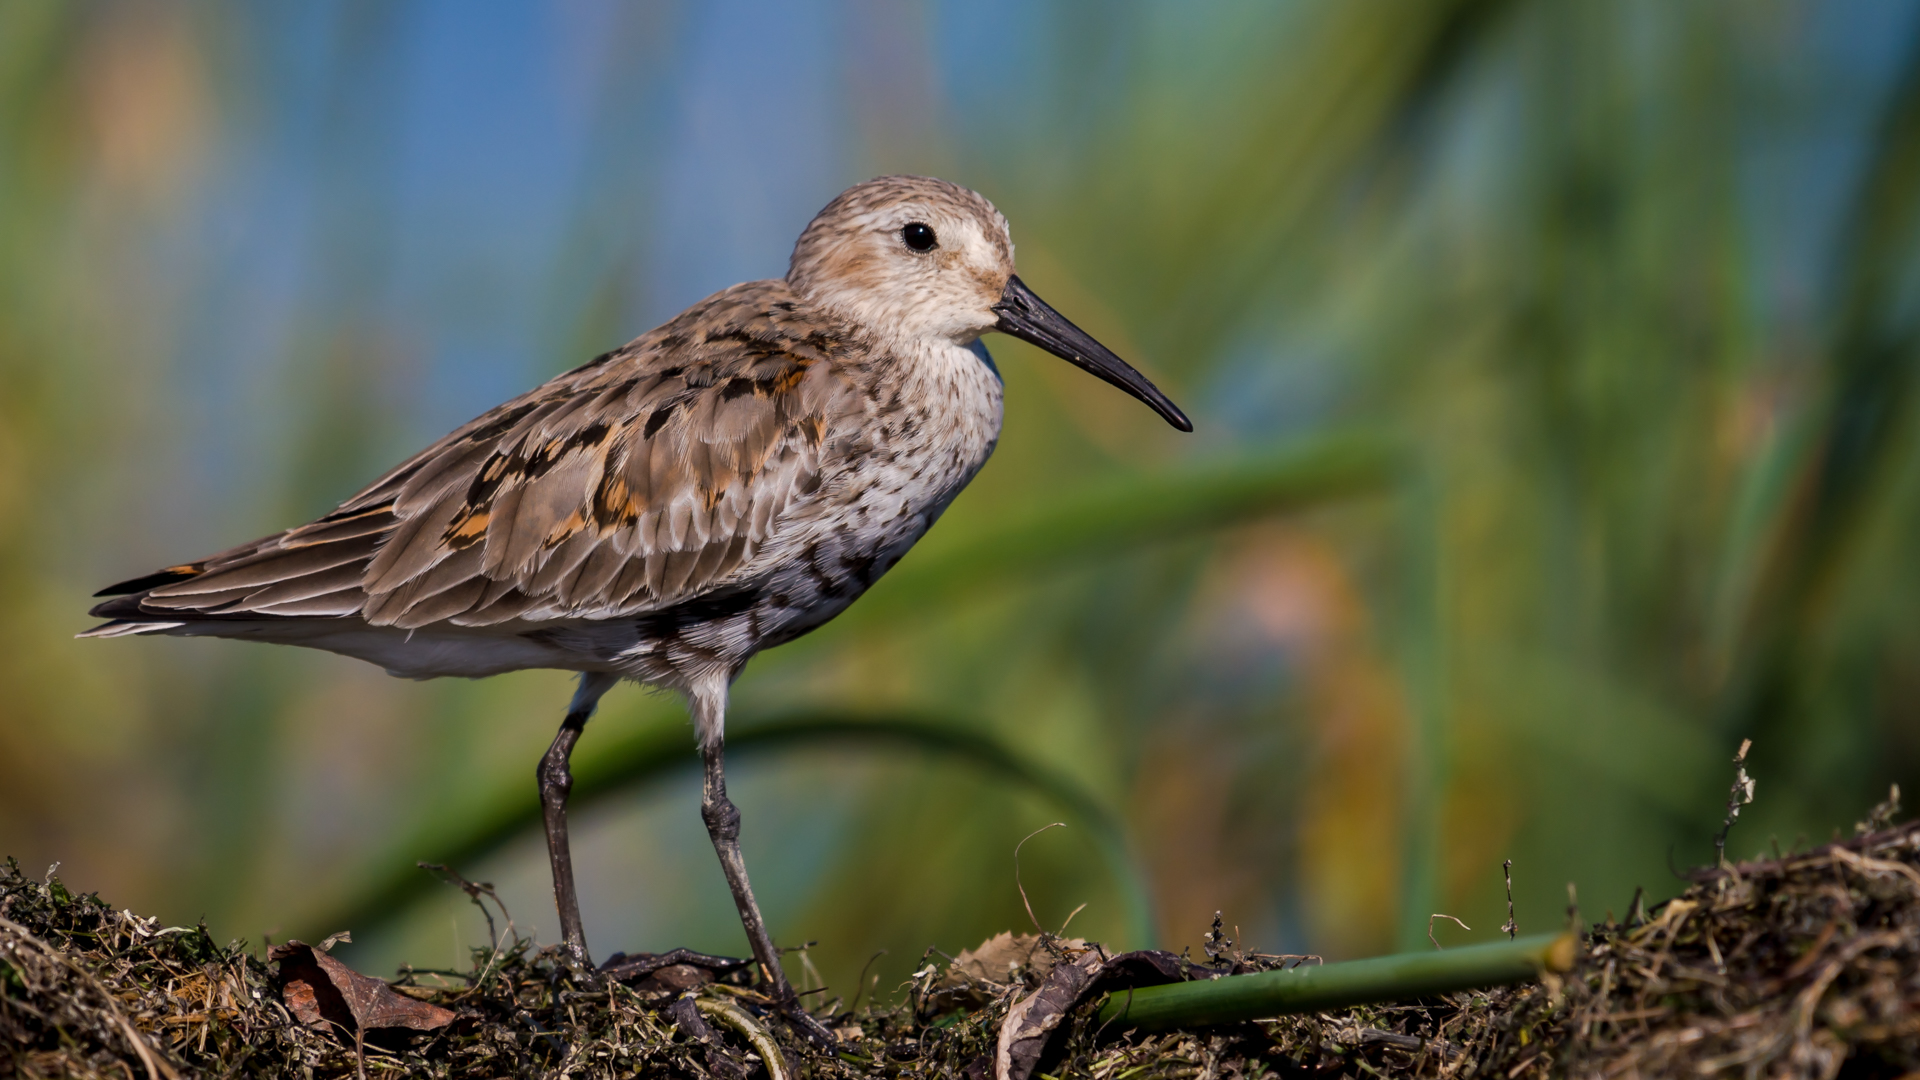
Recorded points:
1552,365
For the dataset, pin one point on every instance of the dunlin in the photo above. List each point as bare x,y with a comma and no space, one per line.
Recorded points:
718,486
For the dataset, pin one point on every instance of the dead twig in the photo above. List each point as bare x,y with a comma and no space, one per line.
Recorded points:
1037,928
1510,926
1738,796
1437,915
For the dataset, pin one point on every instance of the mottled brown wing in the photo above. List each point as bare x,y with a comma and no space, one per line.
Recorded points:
649,476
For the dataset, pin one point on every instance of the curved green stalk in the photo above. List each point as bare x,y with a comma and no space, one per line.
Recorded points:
668,749
1240,998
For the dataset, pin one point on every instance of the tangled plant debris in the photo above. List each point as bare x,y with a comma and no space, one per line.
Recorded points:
1800,965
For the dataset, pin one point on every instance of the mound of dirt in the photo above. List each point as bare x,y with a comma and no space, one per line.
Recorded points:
1806,965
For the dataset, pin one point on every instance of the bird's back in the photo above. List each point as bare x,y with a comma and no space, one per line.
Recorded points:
665,494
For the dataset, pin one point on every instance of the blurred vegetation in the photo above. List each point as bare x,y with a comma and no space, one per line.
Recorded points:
1552,366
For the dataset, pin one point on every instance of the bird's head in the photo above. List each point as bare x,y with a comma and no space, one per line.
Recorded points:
915,258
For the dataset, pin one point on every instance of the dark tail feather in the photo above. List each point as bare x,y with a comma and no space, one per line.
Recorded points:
154,580
121,607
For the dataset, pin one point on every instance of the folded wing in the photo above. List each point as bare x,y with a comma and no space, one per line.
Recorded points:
652,475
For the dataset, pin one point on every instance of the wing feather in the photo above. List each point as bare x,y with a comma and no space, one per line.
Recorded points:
445,574
416,544
375,521
258,570
563,564
441,605
501,602
330,605
308,586
598,571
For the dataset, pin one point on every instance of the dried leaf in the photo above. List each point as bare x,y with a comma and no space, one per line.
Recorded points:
1032,1020
1004,958
1024,1033
321,992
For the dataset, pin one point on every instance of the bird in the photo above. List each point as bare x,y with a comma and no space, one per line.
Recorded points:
718,486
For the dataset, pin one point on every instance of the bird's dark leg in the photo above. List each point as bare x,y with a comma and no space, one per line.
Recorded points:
556,783
723,827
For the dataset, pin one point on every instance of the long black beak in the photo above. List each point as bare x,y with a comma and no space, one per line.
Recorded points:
1028,318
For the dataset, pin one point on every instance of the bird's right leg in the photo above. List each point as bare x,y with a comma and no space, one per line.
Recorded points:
556,783
709,703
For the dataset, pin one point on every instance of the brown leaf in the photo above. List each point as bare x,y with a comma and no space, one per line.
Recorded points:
1031,1022
1024,1033
674,979
1004,957
321,991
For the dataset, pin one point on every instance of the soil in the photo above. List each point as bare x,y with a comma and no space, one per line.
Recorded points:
1805,965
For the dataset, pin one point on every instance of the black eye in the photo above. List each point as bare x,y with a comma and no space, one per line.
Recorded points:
919,236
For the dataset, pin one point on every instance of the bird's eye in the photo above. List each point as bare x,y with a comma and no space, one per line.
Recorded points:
919,236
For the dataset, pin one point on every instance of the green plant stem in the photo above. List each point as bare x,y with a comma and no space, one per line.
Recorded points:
1240,998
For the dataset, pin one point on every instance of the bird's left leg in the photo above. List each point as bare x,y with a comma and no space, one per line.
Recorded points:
556,783
723,827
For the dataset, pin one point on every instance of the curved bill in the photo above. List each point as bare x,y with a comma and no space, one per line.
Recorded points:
1027,317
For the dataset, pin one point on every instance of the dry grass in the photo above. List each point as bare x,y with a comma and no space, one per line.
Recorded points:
1807,965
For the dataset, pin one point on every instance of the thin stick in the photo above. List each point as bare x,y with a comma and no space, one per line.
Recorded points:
1037,928
1070,915
1438,915
860,987
1511,926
1740,795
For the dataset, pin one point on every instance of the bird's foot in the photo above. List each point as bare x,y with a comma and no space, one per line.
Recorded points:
578,963
805,1023
680,970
